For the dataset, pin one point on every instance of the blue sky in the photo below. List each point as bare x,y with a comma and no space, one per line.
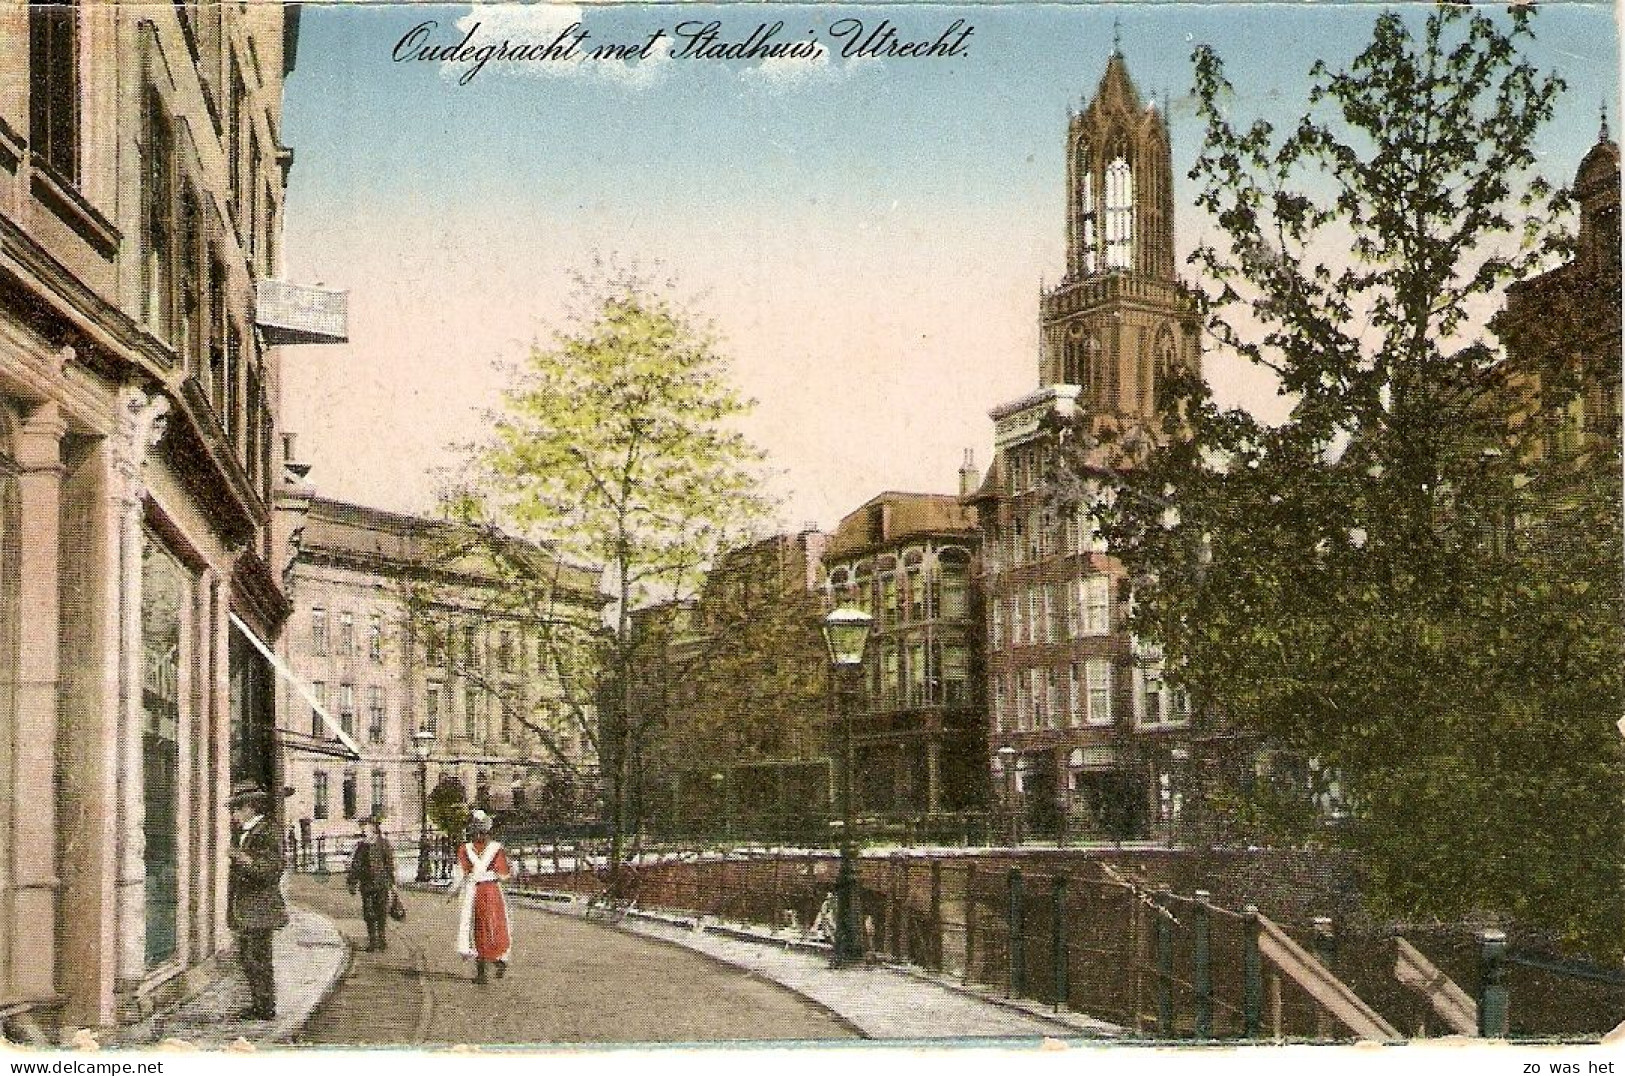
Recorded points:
869,236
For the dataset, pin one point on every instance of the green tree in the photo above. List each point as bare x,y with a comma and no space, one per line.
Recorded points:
1383,584
616,445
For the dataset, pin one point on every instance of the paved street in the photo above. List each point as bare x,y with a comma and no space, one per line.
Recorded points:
570,981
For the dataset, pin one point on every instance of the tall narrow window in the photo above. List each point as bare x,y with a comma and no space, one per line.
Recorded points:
375,715
1099,673
53,86
347,708
322,794
217,340
346,634
318,727
375,636
158,221
1087,240
318,632
380,806
431,711
1119,215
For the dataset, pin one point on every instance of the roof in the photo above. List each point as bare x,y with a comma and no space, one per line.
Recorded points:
375,539
893,517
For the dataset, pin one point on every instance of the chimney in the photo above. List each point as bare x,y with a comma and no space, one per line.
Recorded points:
290,458
968,475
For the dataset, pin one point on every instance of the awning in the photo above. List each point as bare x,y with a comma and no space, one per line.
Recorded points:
353,749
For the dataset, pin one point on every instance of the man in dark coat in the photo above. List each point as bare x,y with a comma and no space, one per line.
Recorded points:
372,870
254,906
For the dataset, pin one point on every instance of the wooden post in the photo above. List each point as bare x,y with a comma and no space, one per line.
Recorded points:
1058,946
1325,949
934,957
1014,921
1165,965
899,891
970,924
1494,1003
1252,974
1202,964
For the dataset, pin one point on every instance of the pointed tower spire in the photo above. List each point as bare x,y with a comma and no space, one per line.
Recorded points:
1602,135
1117,35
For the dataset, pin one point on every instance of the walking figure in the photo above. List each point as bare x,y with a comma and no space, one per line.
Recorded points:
482,925
372,870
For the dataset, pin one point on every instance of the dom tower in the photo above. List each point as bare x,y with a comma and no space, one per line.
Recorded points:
1084,738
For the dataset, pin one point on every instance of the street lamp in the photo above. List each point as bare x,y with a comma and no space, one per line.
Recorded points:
422,740
1007,757
846,632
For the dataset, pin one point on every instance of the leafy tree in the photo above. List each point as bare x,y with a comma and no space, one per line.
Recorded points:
448,807
616,446
742,679
1385,584
520,631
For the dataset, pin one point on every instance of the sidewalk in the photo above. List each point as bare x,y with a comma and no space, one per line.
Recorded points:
310,956
877,1001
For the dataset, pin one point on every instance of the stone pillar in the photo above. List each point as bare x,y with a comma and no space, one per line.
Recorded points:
140,425
33,779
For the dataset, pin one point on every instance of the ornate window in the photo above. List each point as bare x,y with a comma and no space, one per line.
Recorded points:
1119,215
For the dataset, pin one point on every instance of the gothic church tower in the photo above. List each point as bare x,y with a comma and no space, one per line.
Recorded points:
1120,317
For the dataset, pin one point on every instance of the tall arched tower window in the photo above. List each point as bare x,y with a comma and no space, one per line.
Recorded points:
1163,361
1119,215
1087,239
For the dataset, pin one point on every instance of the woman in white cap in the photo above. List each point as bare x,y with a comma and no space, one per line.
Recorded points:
482,927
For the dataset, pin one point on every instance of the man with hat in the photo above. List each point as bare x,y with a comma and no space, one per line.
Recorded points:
254,906
372,871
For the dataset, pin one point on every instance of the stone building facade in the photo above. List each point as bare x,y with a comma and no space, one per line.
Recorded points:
141,193
403,638
1084,737
910,561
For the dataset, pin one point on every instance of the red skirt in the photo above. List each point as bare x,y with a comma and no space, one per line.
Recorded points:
491,941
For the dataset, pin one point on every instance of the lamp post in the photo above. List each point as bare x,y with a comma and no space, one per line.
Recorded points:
421,741
1007,756
846,632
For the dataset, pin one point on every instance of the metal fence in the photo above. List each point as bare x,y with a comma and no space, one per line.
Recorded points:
1114,942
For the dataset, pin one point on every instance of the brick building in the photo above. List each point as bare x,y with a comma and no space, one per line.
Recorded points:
1084,737
141,194
910,561
1561,328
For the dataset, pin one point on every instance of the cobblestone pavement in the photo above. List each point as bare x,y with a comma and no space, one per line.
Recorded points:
569,982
